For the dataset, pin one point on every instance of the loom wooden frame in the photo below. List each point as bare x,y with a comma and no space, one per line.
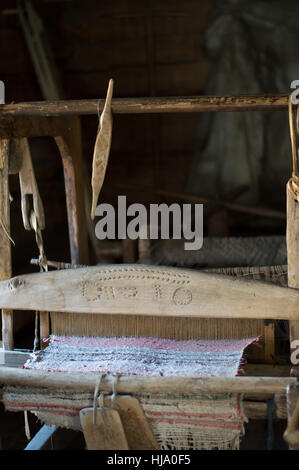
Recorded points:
58,119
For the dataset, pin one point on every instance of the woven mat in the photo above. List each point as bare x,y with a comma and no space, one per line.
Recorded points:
178,422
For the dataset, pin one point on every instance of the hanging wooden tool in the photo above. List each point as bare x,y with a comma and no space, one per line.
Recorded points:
101,149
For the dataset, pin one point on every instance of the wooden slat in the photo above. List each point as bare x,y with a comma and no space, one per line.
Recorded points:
147,290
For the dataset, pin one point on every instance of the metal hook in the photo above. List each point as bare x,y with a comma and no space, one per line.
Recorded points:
114,393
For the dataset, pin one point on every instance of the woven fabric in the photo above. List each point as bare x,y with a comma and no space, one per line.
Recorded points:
178,421
141,356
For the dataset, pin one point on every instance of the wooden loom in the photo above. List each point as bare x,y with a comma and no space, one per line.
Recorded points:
260,301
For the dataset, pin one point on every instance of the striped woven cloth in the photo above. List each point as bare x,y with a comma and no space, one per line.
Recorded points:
178,422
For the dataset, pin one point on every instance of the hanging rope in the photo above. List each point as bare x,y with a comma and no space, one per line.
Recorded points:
39,241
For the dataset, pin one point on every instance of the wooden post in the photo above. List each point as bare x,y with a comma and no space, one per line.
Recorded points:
70,148
128,251
5,251
269,338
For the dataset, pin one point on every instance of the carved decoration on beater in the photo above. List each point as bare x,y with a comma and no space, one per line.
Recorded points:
101,149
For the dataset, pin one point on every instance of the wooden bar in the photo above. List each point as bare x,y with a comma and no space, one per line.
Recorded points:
291,434
183,104
135,385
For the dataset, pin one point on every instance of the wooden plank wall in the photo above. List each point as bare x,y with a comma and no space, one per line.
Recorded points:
150,48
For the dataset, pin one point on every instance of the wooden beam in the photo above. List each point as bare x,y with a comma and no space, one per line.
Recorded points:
134,385
132,289
292,237
174,104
